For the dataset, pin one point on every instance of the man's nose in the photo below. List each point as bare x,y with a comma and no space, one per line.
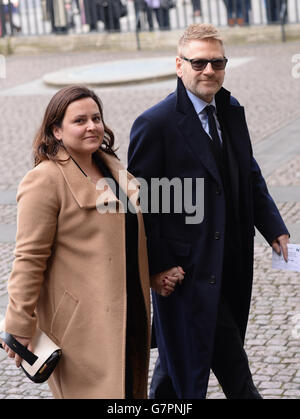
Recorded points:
208,69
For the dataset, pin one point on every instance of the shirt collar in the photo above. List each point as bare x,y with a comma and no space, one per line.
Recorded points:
198,103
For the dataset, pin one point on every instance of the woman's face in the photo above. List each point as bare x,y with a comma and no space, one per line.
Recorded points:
82,129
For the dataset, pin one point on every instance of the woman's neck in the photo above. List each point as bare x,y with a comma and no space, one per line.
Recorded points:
85,161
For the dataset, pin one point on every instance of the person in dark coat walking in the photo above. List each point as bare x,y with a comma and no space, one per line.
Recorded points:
198,133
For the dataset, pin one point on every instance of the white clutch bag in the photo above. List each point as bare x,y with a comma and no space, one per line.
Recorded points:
39,364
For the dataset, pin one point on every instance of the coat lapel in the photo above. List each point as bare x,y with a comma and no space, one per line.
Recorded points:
82,189
233,121
86,193
129,184
191,128
223,113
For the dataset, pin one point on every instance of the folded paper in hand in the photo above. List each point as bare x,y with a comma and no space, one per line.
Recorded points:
293,263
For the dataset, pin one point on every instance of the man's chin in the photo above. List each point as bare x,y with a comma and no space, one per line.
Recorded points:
207,93
207,96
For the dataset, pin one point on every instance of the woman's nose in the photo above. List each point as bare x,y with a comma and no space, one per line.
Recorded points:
91,125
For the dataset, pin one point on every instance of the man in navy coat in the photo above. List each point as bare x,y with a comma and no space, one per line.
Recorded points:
200,132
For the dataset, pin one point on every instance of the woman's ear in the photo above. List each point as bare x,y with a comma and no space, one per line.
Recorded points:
56,131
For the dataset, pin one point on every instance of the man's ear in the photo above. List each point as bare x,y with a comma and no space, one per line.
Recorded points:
179,64
56,131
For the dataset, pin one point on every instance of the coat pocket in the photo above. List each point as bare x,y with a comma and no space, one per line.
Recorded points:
63,315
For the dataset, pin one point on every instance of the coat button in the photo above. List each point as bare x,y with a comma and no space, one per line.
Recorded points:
212,279
217,235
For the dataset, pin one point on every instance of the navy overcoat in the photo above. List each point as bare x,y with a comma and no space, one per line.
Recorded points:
168,141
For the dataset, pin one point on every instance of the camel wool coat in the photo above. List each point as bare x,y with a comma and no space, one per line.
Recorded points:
69,278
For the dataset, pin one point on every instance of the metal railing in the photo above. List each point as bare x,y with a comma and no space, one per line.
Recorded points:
41,17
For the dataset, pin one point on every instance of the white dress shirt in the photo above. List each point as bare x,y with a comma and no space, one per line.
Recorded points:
200,106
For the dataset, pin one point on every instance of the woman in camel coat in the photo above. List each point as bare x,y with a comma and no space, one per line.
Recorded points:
80,271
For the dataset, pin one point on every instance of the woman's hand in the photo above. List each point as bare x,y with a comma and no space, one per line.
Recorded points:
12,354
164,283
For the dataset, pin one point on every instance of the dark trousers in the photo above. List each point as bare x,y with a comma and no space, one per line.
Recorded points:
273,8
163,18
239,8
229,363
143,8
90,9
197,5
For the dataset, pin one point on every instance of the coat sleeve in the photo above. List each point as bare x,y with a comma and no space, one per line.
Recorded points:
36,228
145,160
267,218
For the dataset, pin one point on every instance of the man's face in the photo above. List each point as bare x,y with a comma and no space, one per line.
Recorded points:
206,83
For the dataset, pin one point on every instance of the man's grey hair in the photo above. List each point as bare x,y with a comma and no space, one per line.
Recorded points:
198,32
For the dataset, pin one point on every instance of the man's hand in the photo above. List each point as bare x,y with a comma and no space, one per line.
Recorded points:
164,282
280,245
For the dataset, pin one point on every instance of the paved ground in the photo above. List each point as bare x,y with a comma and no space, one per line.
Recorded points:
271,96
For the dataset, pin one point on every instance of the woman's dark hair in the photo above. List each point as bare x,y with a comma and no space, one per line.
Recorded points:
45,145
